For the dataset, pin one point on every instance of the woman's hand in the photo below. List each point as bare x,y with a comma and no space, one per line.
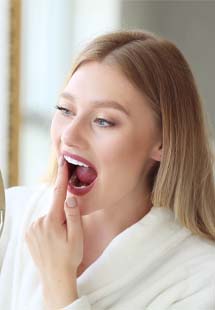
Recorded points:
55,242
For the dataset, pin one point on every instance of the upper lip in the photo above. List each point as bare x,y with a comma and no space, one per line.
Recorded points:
79,158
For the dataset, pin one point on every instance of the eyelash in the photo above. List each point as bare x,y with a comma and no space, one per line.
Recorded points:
66,112
63,110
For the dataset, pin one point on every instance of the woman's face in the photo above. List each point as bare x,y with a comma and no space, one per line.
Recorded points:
106,121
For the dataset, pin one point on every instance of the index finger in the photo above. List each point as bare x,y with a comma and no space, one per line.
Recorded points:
59,194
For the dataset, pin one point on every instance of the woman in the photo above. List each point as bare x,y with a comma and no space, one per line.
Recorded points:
130,221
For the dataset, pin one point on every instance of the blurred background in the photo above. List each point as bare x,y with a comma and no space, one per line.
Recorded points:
39,40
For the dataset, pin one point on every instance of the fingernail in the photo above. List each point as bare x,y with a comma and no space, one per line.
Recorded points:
61,161
71,202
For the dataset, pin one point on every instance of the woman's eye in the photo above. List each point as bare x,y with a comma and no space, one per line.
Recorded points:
63,110
103,122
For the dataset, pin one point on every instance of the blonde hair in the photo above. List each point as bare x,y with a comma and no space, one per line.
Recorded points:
184,180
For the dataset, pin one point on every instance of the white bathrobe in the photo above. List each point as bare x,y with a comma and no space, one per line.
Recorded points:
154,264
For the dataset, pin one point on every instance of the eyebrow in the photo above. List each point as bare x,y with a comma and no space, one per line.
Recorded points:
99,103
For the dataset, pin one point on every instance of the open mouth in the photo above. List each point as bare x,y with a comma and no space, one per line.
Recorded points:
82,174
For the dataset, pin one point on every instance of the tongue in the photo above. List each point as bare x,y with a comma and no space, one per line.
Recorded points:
86,175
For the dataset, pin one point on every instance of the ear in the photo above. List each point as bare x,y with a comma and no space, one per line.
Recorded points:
156,152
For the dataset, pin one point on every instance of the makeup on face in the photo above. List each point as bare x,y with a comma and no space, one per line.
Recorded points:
106,133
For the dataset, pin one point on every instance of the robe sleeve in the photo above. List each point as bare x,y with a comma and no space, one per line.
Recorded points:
81,303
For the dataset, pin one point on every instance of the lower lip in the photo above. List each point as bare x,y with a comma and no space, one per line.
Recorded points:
80,191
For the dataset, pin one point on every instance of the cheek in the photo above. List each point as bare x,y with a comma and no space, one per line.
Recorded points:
124,152
110,150
123,148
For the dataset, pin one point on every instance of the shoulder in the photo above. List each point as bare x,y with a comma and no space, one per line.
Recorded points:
200,254
195,257
186,263
199,269
190,245
189,251
197,251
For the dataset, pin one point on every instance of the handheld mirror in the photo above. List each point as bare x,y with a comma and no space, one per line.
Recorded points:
2,204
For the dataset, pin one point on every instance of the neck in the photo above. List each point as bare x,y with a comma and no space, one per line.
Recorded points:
101,226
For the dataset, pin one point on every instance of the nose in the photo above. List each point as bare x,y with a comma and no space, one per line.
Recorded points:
75,134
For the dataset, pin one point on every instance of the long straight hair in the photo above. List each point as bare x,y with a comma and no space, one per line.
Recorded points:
184,179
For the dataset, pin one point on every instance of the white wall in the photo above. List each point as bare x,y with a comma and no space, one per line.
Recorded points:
53,32
46,49
94,17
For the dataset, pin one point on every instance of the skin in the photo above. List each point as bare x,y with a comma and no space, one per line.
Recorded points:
122,153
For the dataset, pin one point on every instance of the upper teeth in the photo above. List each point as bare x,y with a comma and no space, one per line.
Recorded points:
74,161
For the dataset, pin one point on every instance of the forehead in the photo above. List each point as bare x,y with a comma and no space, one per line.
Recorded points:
95,81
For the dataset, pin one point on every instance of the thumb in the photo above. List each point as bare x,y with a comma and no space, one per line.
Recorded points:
73,219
